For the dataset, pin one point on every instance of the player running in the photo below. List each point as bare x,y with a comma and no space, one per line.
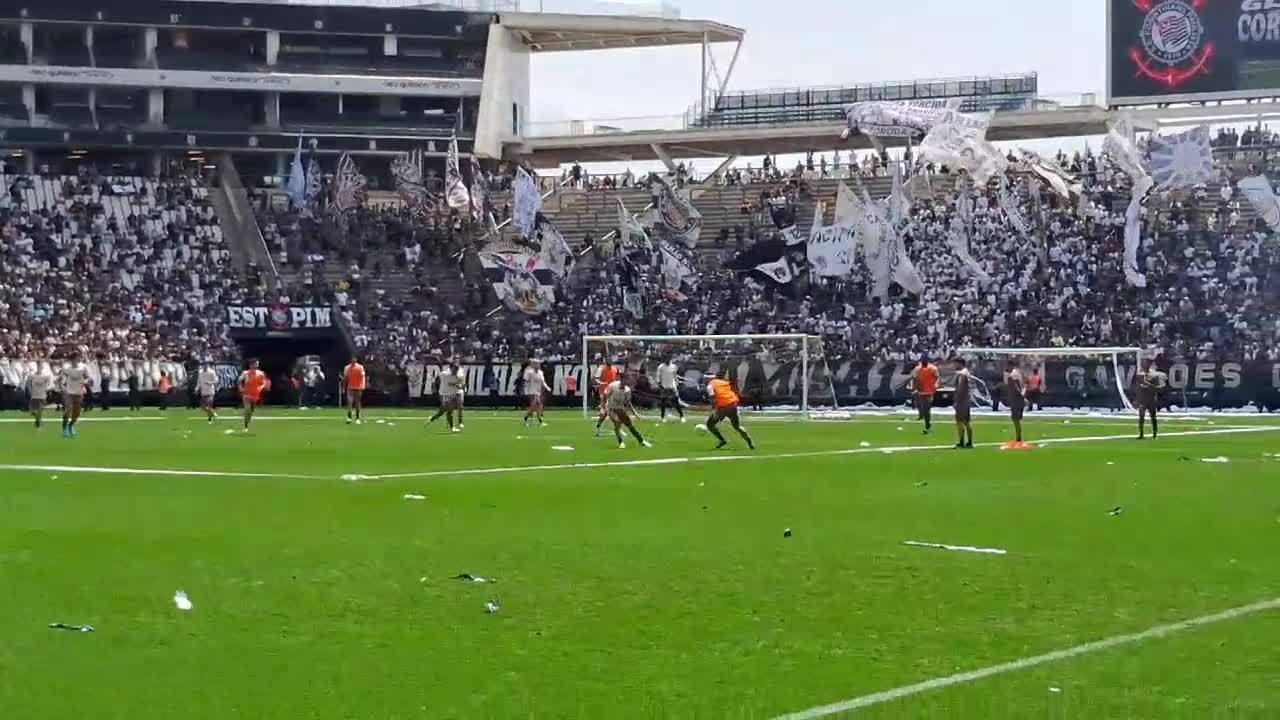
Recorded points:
253,383
964,406
669,389
354,382
206,389
74,380
1015,391
535,383
453,385
926,385
617,403
1151,383
725,400
608,374
38,385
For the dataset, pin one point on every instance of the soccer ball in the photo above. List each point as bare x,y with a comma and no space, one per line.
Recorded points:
701,428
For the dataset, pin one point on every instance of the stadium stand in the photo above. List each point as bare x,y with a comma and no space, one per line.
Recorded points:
112,266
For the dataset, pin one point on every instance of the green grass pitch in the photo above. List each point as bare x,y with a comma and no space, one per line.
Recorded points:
641,590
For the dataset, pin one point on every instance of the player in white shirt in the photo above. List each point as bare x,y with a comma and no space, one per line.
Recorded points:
669,388
617,402
453,386
206,389
535,383
74,381
38,385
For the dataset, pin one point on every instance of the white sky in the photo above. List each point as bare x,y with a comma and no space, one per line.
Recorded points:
830,42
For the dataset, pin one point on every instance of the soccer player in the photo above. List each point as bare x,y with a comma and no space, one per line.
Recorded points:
253,382
74,379
453,385
617,401
38,394
535,383
608,374
1035,390
725,400
964,405
926,384
1015,391
353,385
668,388
206,389
1151,383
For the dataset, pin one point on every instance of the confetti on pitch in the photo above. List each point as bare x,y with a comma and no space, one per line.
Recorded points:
181,601
957,548
1215,460
562,448
73,628
356,478
411,496
468,577
492,607
864,444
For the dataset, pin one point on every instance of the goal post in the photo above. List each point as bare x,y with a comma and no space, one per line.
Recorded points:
1113,354
776,372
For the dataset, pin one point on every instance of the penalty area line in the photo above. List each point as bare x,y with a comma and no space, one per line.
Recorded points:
1152,633
890,450
144,471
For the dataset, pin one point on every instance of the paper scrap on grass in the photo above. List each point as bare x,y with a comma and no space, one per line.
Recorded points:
957,548
181,601
1217,460
562,448
76,628
411,496
864,444
356,478
468,577
492,607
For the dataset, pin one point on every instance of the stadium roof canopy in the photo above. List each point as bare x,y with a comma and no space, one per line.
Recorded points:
556,32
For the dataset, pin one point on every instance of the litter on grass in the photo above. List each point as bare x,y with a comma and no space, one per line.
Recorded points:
922,483
1111,462
74,628
1055,689
562,448
181,601
1116,511
380,421
1219,460
492,607
411,496
957,548
468,577
356,478
864,443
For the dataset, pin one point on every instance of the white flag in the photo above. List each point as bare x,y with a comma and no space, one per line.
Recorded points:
779,270
455,188
553,249
631,234
899,205
1132,232
1183,160
1010,207
1059,180
527,202
1123,150
958,241
298,178
1262,198
965,148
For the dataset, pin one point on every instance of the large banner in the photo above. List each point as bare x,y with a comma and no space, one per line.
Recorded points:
282,321
1189,50
1068,383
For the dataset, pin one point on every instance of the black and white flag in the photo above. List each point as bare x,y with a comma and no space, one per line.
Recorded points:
677,219
527,203
455,189
552,247
521,280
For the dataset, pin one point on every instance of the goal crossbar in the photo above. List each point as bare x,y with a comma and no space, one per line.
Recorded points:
1113,352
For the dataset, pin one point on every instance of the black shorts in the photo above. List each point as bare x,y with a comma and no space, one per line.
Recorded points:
924,402
1016,412
964,413
728,413
1034,396
669,395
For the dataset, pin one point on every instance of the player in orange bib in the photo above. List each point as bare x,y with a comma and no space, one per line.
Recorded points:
253,383
725,400
354,383
926,382
608,374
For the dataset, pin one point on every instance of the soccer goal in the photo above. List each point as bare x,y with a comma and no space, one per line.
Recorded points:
1097,379
770,372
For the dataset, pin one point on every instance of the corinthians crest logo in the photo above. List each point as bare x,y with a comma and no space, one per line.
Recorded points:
1173,42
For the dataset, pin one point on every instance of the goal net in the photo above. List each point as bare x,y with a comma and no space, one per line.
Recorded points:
770,372
1072,377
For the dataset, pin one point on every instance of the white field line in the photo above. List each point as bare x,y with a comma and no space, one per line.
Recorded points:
783,456
1153,633
145,471
572,466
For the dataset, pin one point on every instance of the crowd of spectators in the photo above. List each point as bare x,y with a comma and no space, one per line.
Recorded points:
112,267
